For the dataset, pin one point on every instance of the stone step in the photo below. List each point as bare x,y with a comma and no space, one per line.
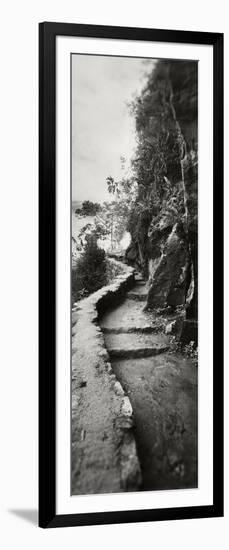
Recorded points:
134,295
135,345
137,353
129,314
142,329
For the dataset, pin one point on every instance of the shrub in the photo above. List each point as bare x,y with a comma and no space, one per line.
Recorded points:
90,272
112,270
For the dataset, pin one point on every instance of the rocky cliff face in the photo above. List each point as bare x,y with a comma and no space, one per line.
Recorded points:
168,283
185,100
164,225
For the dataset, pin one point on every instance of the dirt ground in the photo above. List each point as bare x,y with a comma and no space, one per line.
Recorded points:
163,394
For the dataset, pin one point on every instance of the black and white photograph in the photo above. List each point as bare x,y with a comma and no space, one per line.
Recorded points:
131,295
134,274
112,277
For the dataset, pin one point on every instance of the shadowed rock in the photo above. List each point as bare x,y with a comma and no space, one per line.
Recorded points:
168,285
189,332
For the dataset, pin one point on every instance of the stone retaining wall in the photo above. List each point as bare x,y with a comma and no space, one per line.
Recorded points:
107,462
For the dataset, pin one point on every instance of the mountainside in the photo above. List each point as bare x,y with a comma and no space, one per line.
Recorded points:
164,222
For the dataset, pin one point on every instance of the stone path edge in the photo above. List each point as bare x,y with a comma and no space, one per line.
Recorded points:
87,313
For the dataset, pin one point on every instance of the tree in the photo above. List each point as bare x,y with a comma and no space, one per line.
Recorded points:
89,208
117,211
111,218
112,185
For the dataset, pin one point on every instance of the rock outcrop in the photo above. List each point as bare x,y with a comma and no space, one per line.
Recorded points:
168,287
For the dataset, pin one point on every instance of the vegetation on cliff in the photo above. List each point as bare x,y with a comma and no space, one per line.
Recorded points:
163,219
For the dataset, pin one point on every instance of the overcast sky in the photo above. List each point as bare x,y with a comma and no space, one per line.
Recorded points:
102,127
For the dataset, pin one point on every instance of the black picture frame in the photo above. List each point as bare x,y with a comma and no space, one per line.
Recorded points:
47,274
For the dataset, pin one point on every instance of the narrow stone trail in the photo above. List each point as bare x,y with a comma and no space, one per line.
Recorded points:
162,387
